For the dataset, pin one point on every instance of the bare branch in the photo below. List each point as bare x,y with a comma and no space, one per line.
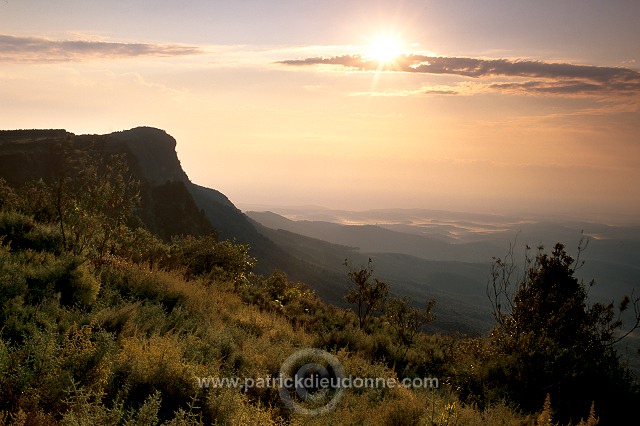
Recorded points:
635,302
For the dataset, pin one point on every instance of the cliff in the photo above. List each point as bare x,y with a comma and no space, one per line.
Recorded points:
171,203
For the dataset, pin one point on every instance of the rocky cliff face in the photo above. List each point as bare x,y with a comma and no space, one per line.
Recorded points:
154,151
32,154
167,205
171,203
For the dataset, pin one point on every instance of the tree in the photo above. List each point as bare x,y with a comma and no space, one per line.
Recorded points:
92,197
406,320
556,341
367,296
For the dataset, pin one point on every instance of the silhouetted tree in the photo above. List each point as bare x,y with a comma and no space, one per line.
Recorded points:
557,342
368,296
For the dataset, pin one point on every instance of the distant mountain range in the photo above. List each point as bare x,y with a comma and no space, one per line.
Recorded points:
426,253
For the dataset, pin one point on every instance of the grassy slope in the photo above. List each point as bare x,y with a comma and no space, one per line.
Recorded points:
132,348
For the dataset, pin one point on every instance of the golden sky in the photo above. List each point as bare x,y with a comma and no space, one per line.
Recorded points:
496,106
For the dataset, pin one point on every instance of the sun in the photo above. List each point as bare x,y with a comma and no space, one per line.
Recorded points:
384,48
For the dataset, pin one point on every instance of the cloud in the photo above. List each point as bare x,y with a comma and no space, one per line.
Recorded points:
439,92
536,77
425,90
549,87
35,49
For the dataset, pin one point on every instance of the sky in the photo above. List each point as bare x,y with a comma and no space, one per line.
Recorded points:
494,106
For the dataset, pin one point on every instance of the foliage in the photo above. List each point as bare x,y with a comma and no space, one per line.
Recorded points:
407,321
92,199
556,342
142,247
368,297
22,232
211,259
103,322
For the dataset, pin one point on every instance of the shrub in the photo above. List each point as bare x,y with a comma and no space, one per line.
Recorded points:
79,286
141,283
142,247
210,259
12,277
15,227
66,275
368,297
8,196
556,341
406,321
144,366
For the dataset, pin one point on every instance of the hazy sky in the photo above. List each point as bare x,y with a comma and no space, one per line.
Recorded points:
488,106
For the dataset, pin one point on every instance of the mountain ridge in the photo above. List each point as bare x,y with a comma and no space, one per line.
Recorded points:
171,203
312,252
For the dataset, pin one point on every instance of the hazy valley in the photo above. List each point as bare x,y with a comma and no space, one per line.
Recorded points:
447,255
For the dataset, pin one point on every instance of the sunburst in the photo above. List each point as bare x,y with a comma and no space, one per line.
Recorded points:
384,49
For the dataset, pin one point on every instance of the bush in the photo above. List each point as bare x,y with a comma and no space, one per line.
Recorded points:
142,247
208,258
369,297
12,278
14,227
79,286
141,283
66,275
144,366
556,342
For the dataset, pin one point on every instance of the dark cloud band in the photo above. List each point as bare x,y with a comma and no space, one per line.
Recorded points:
549,78
34,49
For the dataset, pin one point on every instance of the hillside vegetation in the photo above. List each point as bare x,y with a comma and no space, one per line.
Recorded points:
170,204
102,322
